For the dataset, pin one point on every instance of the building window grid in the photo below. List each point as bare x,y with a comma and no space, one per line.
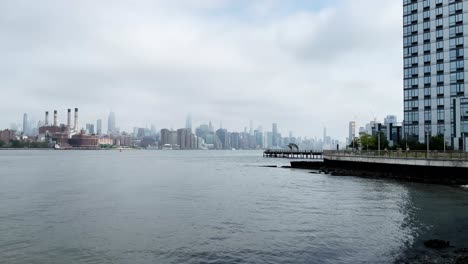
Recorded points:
456,30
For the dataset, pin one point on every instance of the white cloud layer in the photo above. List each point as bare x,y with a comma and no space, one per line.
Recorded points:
152,62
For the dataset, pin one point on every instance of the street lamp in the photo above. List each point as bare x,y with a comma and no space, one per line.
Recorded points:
378,141
444,138
427,143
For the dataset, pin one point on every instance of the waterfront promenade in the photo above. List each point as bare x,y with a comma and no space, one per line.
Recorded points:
413,158
292,154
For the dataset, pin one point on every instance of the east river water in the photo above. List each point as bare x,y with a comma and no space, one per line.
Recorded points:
152,206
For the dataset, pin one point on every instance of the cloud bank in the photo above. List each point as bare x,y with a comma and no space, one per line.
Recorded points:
301,64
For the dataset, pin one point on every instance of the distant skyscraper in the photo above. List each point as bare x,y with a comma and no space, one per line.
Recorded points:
352,132
390,119
111,123
188,122
210,127
25,124
99,126
251,132
324,134
90,128
274,135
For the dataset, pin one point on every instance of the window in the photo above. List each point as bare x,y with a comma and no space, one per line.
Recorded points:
455,19
457,89
440,79
427,70
440,68
440,102
439,22
427,91
457,65
427,58
427,116
457,77
427,48
455,31
440,128
439,34
456,7
427,103
456,42
426,4
440,56
440,114
440,90
457,54
439,11
427,80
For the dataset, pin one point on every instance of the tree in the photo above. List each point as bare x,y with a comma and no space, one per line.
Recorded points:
2,143
356,143
17,144
367,142
436,143
379,136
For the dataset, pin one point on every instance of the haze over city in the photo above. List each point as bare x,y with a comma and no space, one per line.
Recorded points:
301,64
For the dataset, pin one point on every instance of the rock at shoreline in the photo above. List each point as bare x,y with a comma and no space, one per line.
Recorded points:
462,260
437,243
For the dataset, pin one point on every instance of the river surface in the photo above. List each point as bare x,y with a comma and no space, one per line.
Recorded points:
154,206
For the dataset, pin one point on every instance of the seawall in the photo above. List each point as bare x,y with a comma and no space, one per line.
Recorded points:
448,172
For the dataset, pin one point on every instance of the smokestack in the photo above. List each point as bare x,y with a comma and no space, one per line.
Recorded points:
46,118
55,117
69,119
76,120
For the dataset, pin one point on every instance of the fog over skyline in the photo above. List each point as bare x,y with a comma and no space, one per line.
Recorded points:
300,64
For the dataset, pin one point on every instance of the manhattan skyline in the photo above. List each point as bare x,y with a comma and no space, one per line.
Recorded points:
301,65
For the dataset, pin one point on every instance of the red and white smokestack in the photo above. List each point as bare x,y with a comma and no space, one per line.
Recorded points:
75,127
69,118
55,118
46,118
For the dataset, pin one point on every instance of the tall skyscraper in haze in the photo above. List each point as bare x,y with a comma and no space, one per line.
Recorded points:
324,134
274,132
434,70
111,123
25,124
99,127
352,132
188,122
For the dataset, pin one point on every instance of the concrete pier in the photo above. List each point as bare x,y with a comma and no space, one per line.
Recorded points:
439,168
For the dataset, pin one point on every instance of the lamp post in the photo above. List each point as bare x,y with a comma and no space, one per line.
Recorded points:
427,143
378,141
444,139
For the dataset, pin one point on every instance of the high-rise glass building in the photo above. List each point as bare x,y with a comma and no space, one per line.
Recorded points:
99,127
434,33
111,123
25,124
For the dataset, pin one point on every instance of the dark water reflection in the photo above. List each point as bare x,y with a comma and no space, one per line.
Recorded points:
210,207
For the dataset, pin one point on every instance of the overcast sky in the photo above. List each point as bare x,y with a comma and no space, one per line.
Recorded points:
302,64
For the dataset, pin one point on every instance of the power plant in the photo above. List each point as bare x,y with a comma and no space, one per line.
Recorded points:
66,136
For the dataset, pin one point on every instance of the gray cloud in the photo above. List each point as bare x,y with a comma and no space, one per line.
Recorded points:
225,61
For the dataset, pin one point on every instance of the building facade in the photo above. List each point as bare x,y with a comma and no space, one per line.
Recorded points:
111,129
351,132
434,33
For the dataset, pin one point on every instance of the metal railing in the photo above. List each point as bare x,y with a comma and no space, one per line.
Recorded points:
400,154
291,151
